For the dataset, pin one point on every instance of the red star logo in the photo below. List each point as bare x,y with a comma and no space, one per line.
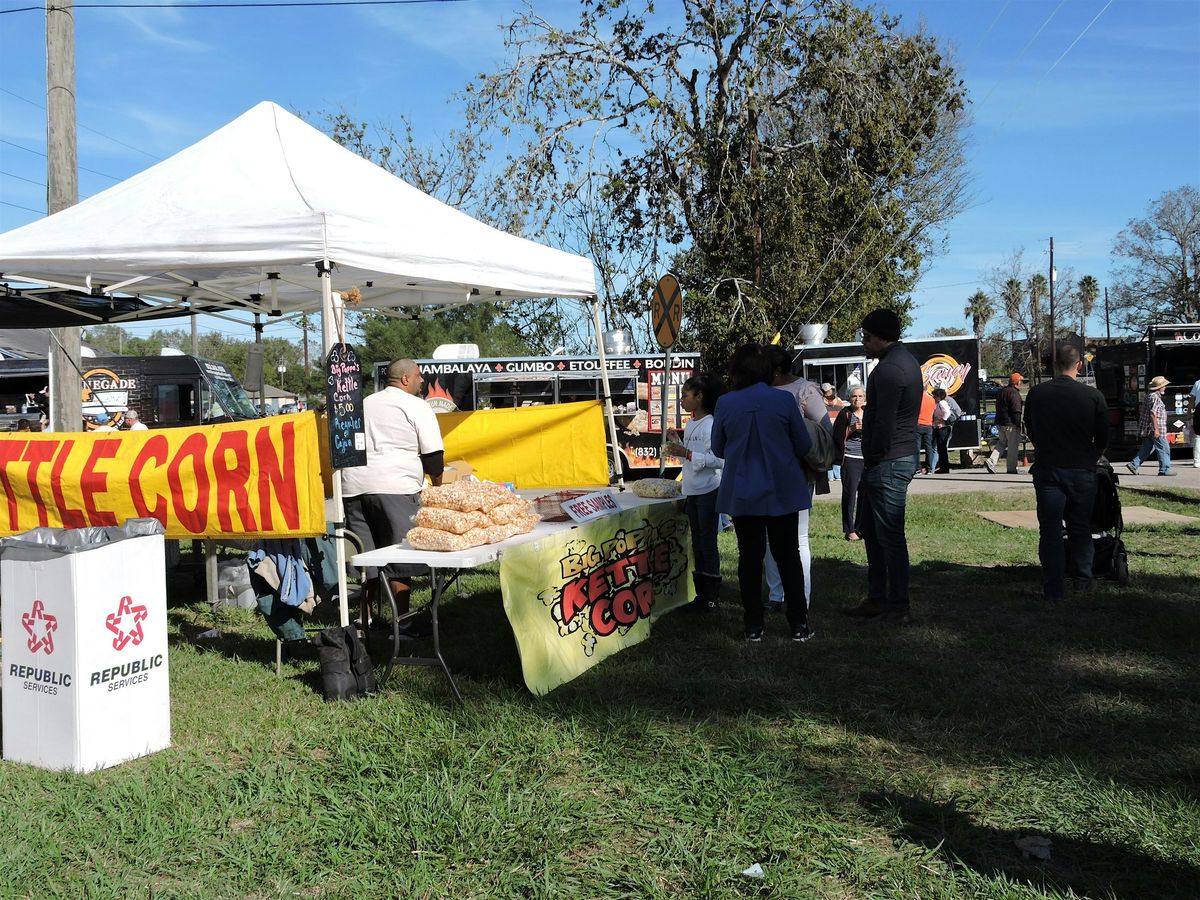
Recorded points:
499,367
637,363
561,366
41,628
134,635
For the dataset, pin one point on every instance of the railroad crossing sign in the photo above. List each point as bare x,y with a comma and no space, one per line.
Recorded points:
666,310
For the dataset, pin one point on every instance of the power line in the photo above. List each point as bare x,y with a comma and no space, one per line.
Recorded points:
235,5
43,155
107,137
22,178
40,212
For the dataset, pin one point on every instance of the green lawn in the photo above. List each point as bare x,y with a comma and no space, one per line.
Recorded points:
868,763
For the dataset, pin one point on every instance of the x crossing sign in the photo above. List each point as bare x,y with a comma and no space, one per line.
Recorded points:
666,310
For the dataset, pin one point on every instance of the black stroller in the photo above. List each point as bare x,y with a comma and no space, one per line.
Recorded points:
1110,559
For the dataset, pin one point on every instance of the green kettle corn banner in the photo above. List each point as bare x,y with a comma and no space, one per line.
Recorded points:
582,595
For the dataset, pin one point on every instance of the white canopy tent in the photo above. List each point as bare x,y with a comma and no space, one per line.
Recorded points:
263,215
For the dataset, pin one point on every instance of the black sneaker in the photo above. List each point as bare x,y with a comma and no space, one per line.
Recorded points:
803,634
755,636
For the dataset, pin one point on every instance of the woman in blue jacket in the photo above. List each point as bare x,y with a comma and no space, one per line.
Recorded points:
761,435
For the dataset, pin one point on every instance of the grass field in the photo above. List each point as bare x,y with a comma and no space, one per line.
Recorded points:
871,762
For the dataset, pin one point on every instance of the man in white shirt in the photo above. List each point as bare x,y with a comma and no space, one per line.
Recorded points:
134,421
404,444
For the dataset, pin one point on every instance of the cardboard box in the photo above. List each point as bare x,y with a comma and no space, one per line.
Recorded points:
85,669
457,470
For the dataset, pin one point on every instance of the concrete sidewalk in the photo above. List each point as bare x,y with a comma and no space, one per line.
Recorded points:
977,478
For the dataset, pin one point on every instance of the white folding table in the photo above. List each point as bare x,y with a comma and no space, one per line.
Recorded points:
445,568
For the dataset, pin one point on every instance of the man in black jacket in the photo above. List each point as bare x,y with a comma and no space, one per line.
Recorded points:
889,448
1068,424
1008,424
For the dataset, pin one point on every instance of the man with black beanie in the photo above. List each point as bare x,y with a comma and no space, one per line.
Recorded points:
889,446
1068,423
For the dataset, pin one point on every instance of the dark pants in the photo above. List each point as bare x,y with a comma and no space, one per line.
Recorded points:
942,437
701,511
852,470
1064,496
925,443
754,533
882,498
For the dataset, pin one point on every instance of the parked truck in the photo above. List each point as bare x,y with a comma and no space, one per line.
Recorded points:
165,390
946,362
1122,372
636,382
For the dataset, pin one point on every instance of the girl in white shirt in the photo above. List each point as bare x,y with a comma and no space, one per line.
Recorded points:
701,477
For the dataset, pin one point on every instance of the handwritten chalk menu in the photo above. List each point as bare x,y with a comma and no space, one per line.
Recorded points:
344,393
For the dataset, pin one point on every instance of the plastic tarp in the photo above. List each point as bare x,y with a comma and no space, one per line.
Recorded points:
559,445
269,194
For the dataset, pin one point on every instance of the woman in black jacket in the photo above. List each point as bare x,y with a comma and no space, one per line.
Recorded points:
847,438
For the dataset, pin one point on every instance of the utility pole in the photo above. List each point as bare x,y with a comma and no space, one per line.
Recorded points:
1053,342
304,325
1107,323
62,191
195,336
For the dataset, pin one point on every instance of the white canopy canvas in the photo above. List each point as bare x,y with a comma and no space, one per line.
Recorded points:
269,194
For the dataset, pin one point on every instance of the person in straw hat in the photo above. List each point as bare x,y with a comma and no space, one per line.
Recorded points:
1152,428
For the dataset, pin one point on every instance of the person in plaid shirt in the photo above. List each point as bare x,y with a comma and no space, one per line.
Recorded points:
1152,427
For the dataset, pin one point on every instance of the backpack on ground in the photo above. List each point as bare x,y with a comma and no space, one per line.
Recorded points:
1109,558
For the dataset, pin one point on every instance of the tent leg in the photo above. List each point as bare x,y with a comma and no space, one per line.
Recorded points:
329,336
608,406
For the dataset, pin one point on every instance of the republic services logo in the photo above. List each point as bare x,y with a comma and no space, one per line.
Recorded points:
126,611
41,628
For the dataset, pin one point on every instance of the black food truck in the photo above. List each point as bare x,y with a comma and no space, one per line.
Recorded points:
1122,372
946,362
636,382
165,390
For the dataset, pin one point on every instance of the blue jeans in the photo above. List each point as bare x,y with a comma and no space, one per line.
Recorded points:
882,497
1064,496
701,511
1159,447
925,442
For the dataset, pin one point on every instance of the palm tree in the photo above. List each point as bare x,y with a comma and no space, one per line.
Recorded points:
1088,291
1039,290
1012,295
979,310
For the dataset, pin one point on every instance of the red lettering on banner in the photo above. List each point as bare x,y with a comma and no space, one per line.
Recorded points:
273,472
92,482
10,452
574,599
662,558
603,622
233,481
70,518
36,453
195,519
154,449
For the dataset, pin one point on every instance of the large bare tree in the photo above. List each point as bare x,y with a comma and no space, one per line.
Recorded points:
1157,261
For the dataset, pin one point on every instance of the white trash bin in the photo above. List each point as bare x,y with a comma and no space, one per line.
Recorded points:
85,673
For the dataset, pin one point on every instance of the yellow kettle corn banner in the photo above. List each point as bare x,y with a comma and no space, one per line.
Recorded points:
557,445
247,479
582,595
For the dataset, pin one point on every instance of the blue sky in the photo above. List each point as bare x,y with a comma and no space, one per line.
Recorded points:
1070,146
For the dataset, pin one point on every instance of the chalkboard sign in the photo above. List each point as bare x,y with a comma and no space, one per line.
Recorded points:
344,393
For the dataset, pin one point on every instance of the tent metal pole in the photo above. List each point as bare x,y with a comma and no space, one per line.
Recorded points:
608,405
329,336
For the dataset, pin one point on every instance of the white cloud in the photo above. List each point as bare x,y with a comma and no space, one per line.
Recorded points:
162,37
